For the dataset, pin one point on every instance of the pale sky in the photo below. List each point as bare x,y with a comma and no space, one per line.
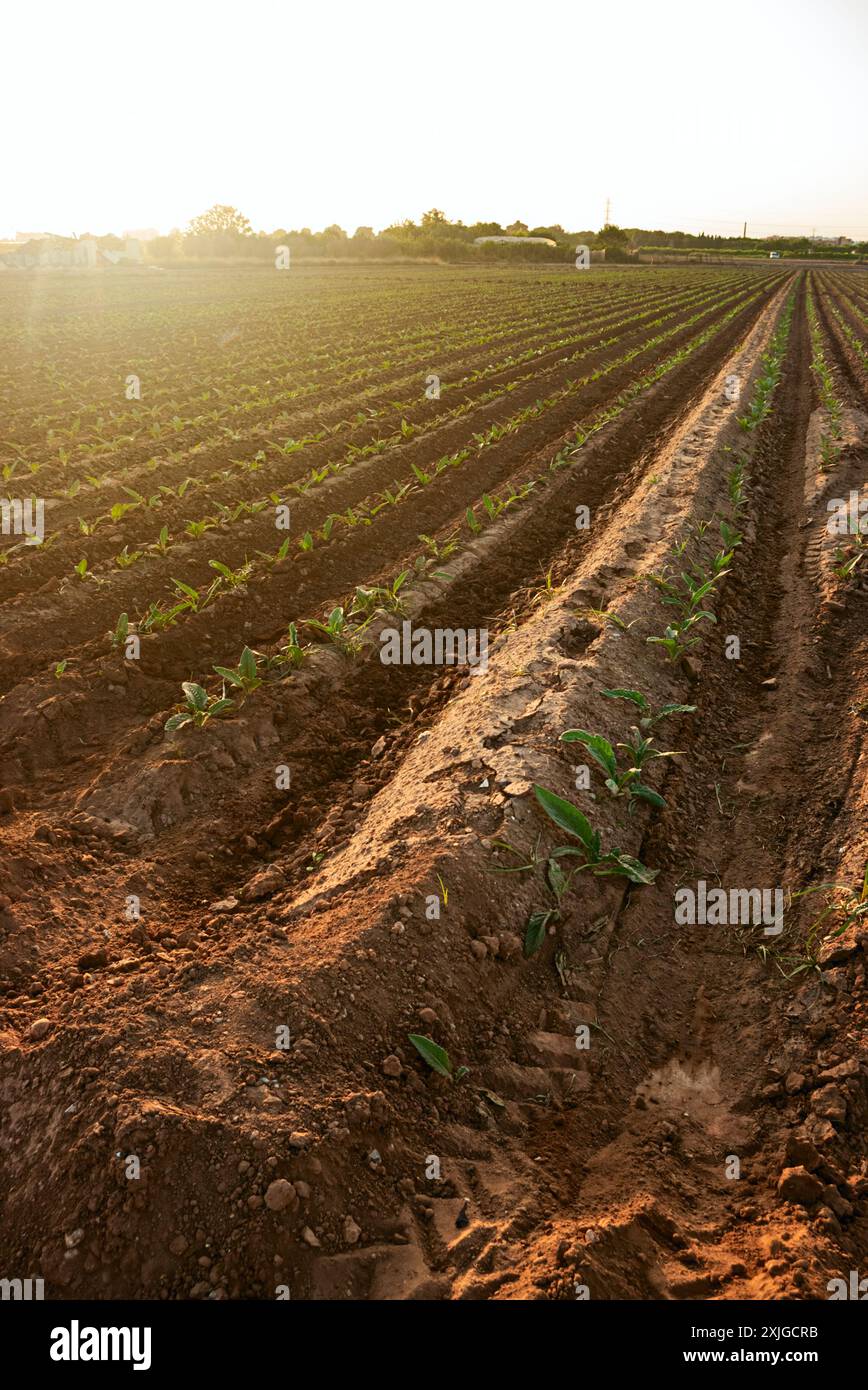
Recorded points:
687,114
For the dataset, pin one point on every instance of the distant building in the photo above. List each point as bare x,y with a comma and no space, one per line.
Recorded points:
516,240
67,252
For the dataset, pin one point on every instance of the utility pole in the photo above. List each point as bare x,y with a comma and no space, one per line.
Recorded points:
606,218
744,232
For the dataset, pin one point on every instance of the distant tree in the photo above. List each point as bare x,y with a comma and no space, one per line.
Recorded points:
364,233
220,218
434,218
517,229
612,238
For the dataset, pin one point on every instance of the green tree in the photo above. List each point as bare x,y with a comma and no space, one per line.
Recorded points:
612,238
220,218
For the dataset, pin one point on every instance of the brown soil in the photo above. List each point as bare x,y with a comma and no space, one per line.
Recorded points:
158,1139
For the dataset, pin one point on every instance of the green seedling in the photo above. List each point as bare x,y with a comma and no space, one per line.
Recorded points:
621,782
569,818
367,599
845,903
122,627
648,719
436,1056
292,653
674,642
234,578
245,675
198,708
337,630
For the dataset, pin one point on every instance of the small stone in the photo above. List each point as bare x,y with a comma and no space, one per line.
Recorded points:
392,1066
798,1185
309,1238
351,1230
478,949
262,885
93,960
833,1199
302,1189
800,1153
38,1029
279,1194
829,1104
224,905
177,1245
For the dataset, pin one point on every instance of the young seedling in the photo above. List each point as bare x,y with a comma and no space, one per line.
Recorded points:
437,1057
621,782
234,578
245,675
569,818
198,708
648,719
292,653
846,903
674,642
368,598
119,636
337,630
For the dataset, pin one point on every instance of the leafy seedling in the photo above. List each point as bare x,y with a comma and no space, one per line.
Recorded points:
436,1056
197,709
244,676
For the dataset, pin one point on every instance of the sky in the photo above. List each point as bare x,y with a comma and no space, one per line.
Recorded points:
686,115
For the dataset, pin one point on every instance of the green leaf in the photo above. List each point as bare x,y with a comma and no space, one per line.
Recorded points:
557,879
197,697
635,695
568,817
228,675
631,868
437,1057
220,705
646,794
535,932
247,665
176,721
599,748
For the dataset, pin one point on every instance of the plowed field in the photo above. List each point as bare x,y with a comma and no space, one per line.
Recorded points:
422,519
